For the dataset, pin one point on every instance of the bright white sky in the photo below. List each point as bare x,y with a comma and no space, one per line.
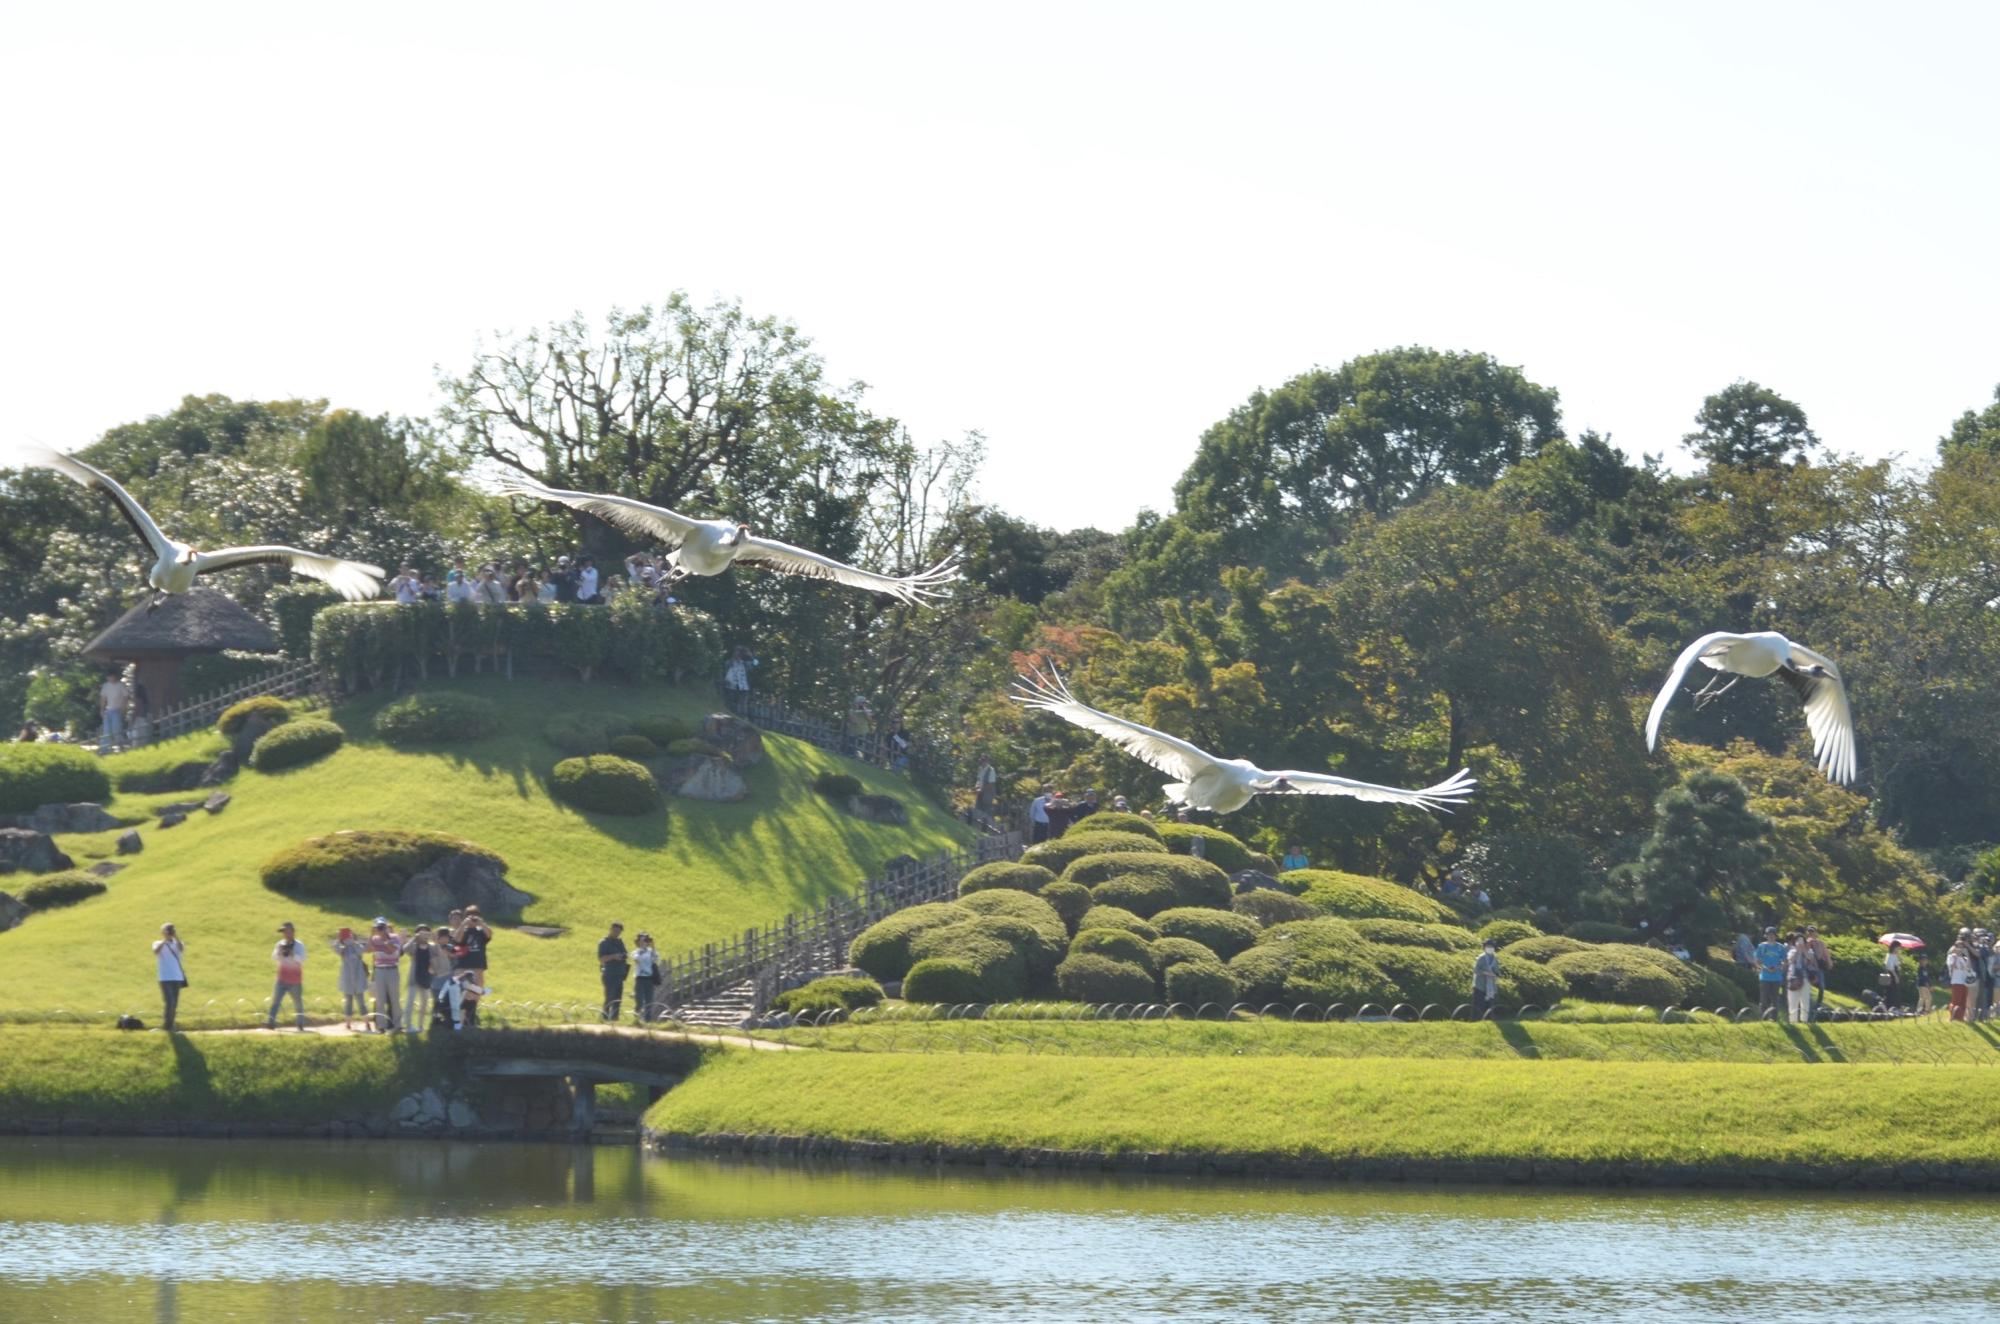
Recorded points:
1085,230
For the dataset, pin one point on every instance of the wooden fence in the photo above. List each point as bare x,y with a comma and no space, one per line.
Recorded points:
289,680
808,941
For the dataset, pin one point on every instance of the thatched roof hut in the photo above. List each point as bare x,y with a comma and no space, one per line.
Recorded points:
159,637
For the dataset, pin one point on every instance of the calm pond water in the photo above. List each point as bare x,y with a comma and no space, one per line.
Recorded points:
131,1231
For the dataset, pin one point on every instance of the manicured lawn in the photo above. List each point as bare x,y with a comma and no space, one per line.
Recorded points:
1646,1112
697,873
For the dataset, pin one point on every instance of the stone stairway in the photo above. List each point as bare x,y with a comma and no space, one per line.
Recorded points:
725,1010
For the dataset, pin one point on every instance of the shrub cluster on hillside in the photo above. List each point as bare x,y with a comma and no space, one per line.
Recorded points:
437,718
605,784
267,706
59,889
830,993
33,775
373,863
296,743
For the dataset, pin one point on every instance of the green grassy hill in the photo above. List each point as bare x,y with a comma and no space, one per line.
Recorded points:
697,873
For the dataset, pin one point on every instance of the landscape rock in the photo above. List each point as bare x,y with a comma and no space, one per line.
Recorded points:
31,852
252,730
704,777
105,868
218,772
216,803
742,742
129,843
180,777
540,930
1249,880
172,818
461,1115
12,912
459,880
54,819
181,807
879,809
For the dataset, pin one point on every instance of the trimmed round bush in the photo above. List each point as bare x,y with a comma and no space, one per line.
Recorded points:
605,784
1003,873
883,948
66,888
1113,917
691,746
1088,977
1071,901
1170,952
1524,982
1544,949
1402,933
839,787
577,735
1050,930
267,706
1614,974
35,775
373,863
1118,944
1111,820
663,730
634,746
1317,961
1217,847
1151,882
1195,983
1270,907
1593,930
1056,856
1352,896
829,993
943,979
1424,975
1719,990
1856,962
295,744
1504,931
1223,932
1002,950
441,718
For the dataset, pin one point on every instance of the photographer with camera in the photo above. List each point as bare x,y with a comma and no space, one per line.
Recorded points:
290,958
167,950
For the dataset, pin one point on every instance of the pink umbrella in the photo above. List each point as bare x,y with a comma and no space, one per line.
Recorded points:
1909,940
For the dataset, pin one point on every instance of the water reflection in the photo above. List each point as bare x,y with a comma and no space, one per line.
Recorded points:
361,1231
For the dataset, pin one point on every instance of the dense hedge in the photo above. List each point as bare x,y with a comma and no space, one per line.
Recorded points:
295,743
1071,901
943,979
1544,949
1217,847
634,746
1269,907
237,715
605,784
60,889
577,735
1087,977
1858,960
829,993
1052,934
1002,873
1351,896
1001,951
631,638
1320,961
1115,917
1402,933
437,718
688,746
1111,820
883,948
1147,883
1170,952
1056,856
1607,975
1591,930
1118,944
1504,931
1223,932
35,775
1196,983
663,730
374,863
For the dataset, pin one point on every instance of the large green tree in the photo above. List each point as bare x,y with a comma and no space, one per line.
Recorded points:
1747,426
1708,865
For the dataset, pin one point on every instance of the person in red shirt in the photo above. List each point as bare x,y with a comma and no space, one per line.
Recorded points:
385,951
290,958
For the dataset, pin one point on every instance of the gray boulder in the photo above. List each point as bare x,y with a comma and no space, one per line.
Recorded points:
105,868
12,912
704,777
459,880
173,818
216,773
252,730
30,852
129,842
216,803
54,819
879,809
742,742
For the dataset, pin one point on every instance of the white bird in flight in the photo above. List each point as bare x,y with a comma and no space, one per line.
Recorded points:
177,564
711,546
1767,653
1220,785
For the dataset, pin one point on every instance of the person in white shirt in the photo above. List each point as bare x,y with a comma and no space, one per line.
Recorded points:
1038,817
546,591
457,587
586,581
167,951
113,697
489,589
645,978
408,586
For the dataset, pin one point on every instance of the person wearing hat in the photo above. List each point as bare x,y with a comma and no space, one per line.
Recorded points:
565,578
385,952
1770,956
353,983
612,968
172,971
1822,963
290,958
1486,978
645,978
1958,972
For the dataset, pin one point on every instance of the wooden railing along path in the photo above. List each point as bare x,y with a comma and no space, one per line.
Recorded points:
289,680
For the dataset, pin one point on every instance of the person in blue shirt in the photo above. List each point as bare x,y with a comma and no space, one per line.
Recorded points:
1770,956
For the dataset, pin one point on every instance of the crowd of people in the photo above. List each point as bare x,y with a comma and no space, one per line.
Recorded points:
566,579
1792,970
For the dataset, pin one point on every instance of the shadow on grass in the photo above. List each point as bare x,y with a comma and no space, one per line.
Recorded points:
1518,1038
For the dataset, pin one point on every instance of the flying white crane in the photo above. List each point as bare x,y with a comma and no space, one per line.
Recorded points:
1220,785
177,564
1768,653
711,546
